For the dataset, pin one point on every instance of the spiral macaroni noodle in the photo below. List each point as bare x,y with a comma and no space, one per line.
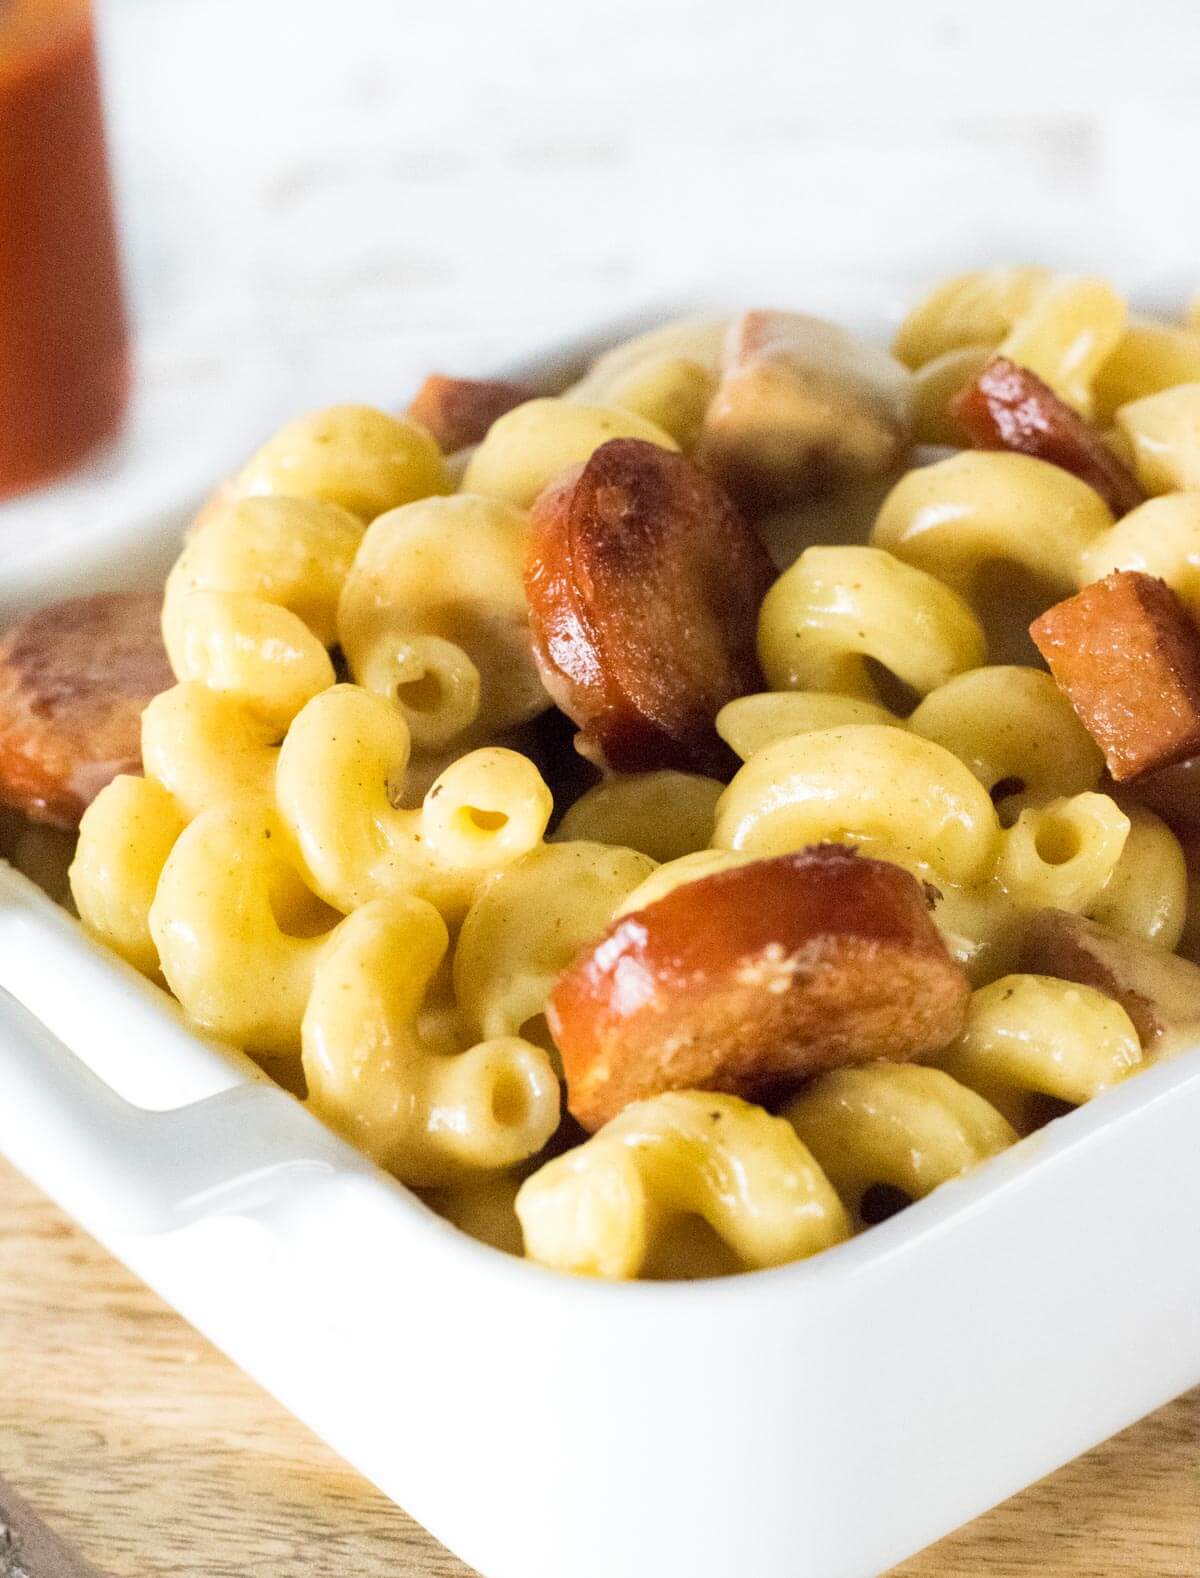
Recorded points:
598,1209
1147,893
535,443
1163,431
699,340
663,814
433,616
978,308
904,1127
935,385
1061,855
339,772
1066,334
897,796
124,839
1010,725
1160,537
668,376
668,388
673,874
422,1114
1065,328
980,508
237,929
909,800
528,921
1030,1036
355,456
1148,358
836,607
247,612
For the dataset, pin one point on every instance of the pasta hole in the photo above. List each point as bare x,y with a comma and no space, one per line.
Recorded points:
1057,841
475,819
1007,618
298,912
881,1200
685,1249
510,1100
893,693
1006,787
1041,1110
536,1031
341,666
423,694
286,1071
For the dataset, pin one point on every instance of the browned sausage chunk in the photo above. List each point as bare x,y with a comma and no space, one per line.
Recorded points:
74,678
802,408
1174,794
1008,407
1127,656
753,979
1158,990
459,411
644,587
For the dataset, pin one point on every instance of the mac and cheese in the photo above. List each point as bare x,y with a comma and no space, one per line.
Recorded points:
340,858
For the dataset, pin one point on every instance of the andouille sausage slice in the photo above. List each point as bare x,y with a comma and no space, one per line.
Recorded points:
644,586
1008,407
753,979
1158,990
802,408
74,678
459,411
1126,654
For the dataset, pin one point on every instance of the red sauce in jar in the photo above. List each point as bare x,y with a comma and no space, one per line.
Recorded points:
64,369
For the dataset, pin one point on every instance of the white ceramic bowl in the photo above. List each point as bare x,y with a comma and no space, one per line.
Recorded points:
824,1420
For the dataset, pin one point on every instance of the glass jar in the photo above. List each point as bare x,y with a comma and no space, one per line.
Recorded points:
64,364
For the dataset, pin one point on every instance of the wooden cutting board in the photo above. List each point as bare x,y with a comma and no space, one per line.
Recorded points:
149,1455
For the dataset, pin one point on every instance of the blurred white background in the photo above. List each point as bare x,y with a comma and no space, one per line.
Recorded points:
323,200
347,190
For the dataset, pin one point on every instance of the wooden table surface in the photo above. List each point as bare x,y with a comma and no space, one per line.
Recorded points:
145,1451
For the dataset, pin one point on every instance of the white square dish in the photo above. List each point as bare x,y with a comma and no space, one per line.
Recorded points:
823,1420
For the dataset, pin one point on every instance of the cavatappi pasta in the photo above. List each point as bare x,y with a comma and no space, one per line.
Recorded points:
338,775
884,1130
528,921
360,853
531,446
663,814
1010,725
249,612
432,615
978,521
424,1114
1031,1037
927,807
837,608
600,1208
668,376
